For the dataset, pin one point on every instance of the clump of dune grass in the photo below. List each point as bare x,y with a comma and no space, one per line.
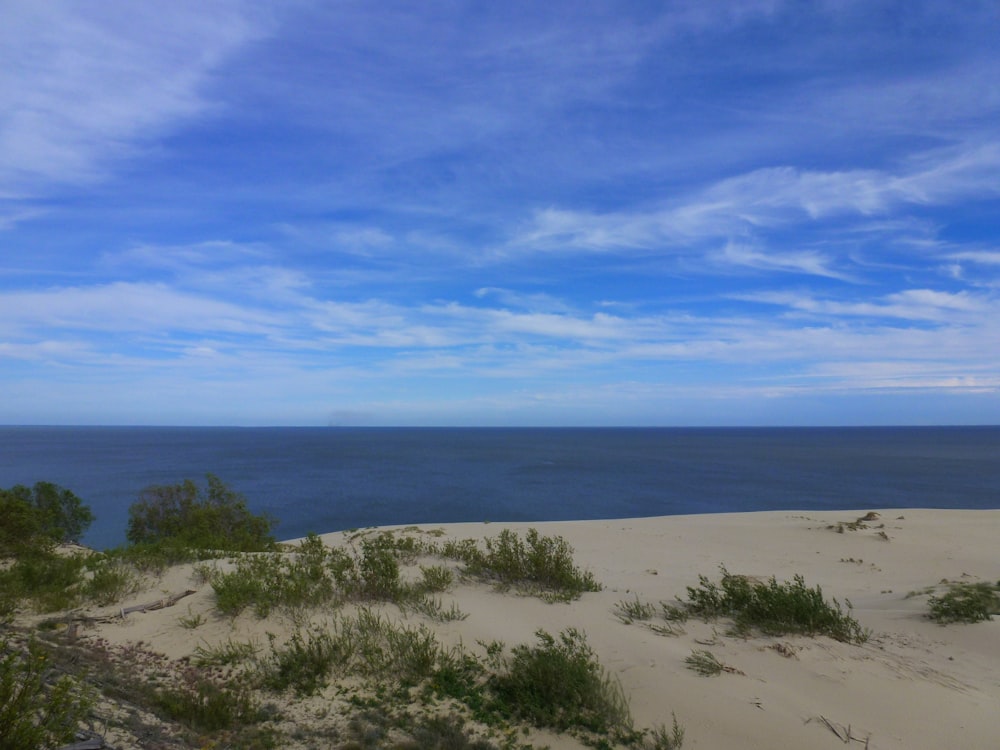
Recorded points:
966,602
537,564
225,654
632,610
774,608
559,683
707,664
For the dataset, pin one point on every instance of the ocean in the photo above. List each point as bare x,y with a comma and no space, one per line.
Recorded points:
329,479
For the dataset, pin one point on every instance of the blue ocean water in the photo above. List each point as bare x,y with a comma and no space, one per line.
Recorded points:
327,479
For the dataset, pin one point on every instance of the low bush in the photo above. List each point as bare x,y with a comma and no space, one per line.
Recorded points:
303,664
966,602
774,608
46,581
537,563
33,714
206,705
111,581
366,645
559,683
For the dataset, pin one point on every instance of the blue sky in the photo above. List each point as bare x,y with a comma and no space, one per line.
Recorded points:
456,213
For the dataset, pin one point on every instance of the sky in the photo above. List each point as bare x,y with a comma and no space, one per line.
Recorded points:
673,213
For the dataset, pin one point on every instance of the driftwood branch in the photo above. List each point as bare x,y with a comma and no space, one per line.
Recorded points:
158,604
73,620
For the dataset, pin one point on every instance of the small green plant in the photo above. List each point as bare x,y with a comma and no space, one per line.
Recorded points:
629,611
206,705
366,644
966,602
538,564
303,664
191,621
111,581
44,580
378,569
560,683
225,654
661,738
434,609
33,714
435,579
704,663
774,608
444,732
304,578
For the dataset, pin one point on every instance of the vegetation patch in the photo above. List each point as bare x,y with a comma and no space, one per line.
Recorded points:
537,564
36,713
559,683
966,602
185,515
774,608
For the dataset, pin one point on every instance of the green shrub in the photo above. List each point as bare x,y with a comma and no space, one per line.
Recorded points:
539,563
304,663
966,602
435,579
206,705
307,577
366,645
214,519
443,733
378,569
774,608
704,663
34,715
41,515
44,579
560,683
662,738
631,611
225,654
111,581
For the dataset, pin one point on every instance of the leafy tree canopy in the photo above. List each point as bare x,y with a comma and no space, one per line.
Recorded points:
43,514
187,515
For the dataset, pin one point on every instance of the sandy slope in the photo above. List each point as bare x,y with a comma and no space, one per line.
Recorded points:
914,685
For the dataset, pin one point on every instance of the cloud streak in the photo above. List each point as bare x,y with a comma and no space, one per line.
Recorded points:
487,213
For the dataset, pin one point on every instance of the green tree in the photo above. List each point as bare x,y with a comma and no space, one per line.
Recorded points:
62,514
44,513
186,515
19,523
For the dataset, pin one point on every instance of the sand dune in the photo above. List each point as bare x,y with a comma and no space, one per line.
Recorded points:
915,684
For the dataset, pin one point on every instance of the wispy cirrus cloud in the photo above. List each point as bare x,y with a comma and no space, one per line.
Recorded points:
912,304
85,86
767,199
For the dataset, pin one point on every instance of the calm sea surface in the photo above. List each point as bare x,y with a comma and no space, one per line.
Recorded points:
327,479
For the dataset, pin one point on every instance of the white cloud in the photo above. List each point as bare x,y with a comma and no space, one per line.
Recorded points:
769,198
124,307
983,257
85,85
919,305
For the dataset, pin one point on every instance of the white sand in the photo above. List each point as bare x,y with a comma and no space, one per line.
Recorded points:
915,684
